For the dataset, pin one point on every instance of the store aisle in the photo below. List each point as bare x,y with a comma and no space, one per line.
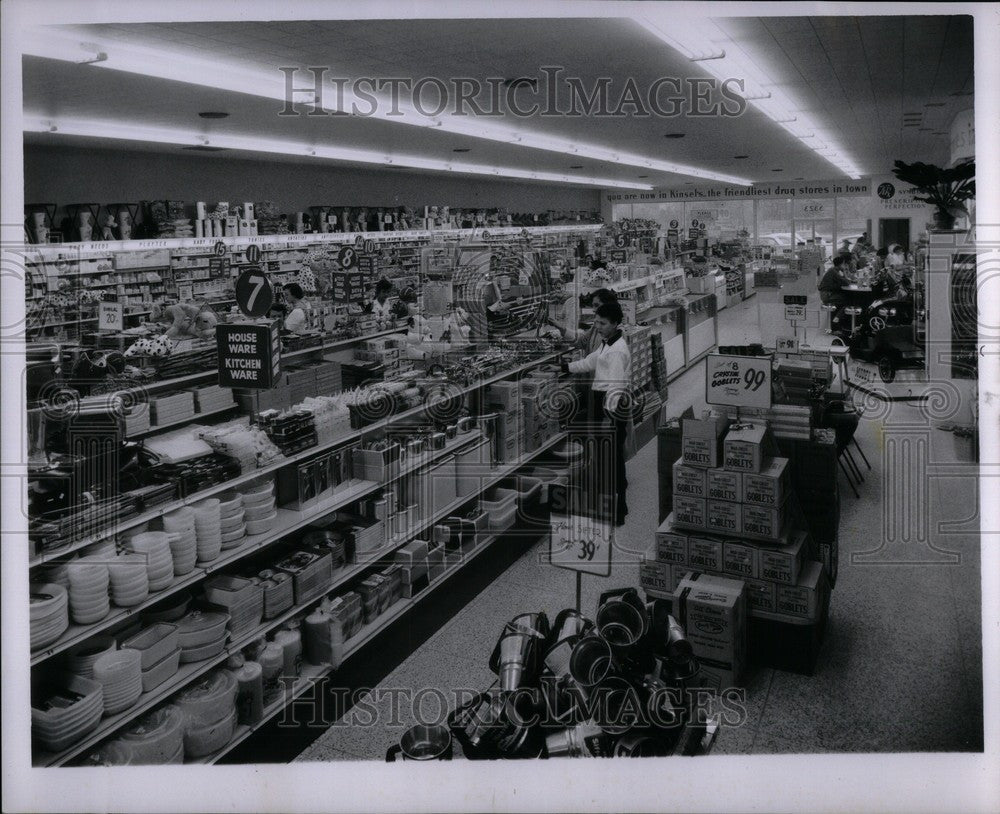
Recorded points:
901,638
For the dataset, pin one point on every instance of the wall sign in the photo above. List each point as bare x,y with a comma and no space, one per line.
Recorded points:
254,295
581,543
738,381
249,354
110,316
727,192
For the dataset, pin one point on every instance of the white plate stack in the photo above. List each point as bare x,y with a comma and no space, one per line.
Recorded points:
180,528
208,528
89,600
232,525
80,659
155,545
129,579
120,674
259,512
49,613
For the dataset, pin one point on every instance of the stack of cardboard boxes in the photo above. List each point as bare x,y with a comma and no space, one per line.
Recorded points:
733,519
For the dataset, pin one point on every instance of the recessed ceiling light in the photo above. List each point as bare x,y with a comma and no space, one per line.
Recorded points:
214,114
740,156
962,93
933,104
576,166
925,130
778,170
798,179
673,135
204,148
460,150
914,113
642,176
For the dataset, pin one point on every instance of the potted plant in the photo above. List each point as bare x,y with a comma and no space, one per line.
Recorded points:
945,189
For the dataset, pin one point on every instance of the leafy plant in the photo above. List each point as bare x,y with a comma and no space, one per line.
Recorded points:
945,188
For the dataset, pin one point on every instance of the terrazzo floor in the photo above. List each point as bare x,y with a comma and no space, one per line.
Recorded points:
900,669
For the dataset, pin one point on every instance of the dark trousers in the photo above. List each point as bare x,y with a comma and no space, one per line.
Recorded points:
618,487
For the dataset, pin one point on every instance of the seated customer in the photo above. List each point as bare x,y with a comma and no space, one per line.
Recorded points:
831,285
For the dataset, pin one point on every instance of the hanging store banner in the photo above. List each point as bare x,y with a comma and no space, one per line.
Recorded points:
249,354
728,192
893,198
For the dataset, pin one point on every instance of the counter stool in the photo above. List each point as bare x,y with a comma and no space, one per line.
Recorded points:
829,309
854,312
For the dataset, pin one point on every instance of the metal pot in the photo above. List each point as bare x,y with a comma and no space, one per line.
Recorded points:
591,661
422,742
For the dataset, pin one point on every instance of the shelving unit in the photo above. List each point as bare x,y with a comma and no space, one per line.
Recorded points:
190,672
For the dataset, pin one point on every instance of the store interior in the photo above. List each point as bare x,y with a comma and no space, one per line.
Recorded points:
290,371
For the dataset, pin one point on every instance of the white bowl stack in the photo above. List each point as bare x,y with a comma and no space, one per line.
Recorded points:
232,524
129,579
259,512
120,674
80,659
208,526
155,545
180,528
49,609
89,581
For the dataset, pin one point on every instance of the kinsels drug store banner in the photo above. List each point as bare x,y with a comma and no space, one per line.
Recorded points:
726,192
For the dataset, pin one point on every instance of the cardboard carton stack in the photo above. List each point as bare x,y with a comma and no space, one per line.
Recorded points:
735,517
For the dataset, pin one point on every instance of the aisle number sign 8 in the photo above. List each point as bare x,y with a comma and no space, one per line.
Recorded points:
738,381
254,295
347,257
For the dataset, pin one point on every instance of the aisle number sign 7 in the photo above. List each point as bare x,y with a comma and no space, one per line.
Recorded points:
738,381
254,295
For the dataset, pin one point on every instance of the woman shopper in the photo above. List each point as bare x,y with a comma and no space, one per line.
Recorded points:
295,317
611,365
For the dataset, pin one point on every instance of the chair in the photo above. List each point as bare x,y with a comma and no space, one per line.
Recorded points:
843,419
854,312
830,310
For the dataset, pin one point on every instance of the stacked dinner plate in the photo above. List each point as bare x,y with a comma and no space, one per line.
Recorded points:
120,674
88,590
180,528
66,711
155,545
208,527
129,579
231,519
49,613
80,659
259,511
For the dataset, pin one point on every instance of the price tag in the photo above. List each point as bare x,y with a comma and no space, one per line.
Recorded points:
347,257
253,254
111,316
787,344
581,543
254,295
738,381
795,307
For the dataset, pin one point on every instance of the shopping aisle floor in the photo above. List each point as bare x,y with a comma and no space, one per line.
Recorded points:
900,669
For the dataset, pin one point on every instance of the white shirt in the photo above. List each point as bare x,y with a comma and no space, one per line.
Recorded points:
296,319
611,366
380,310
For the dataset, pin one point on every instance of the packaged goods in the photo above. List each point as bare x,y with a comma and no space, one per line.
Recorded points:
770,486
671,546
249,689
783,563
723,517
721,484
701,440
704,554
688,480
713,612
656,578
744,448
689,511
764,523
740,559
761,595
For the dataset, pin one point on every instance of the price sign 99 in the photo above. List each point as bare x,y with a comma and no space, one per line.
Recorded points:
753,379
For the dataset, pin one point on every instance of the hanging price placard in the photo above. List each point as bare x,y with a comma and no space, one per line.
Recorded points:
581,543
111,316
738,381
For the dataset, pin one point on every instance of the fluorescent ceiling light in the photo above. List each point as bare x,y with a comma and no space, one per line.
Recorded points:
125,131
183,66
692,37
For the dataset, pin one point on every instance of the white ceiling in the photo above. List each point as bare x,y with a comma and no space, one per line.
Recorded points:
857,76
